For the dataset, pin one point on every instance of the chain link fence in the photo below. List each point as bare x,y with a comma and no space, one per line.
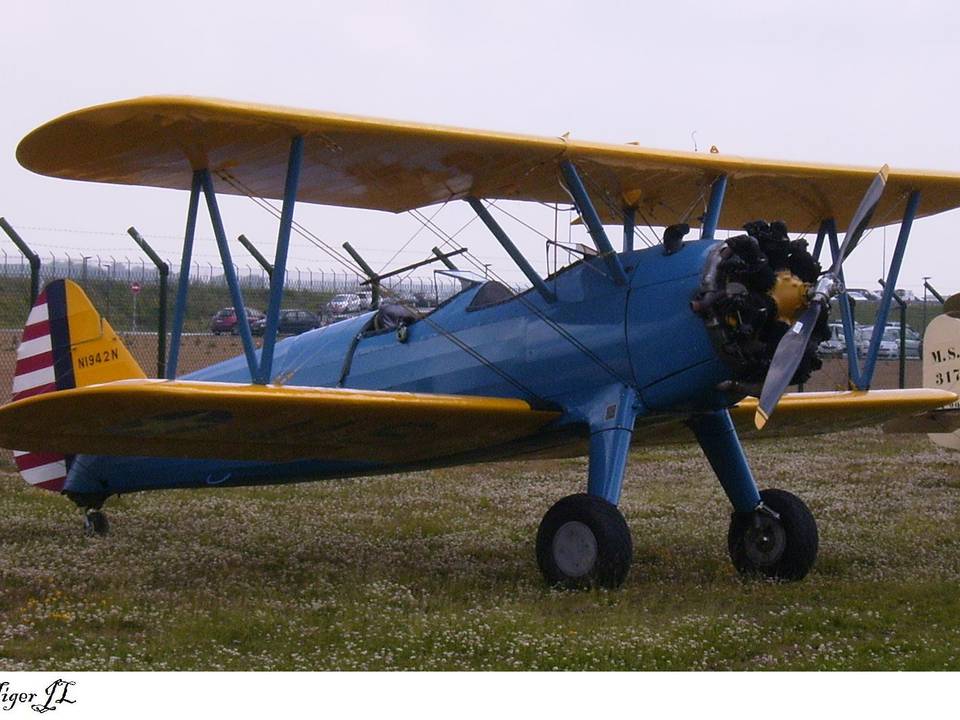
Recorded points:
127,293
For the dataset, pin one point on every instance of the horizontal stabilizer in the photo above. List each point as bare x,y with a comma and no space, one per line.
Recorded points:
163,418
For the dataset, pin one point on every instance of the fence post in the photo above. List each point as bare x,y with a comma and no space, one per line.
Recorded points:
31,256
257,255
163,270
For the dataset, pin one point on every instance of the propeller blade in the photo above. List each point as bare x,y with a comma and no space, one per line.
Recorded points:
793,344
861,218
784,364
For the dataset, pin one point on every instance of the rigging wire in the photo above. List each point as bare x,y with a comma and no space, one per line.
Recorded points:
559,329
297,227
411,238
617,208
473,352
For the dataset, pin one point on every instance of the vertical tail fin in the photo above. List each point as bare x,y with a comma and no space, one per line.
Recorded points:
65,344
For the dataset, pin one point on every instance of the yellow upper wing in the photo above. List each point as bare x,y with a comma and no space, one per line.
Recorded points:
256,422
396,166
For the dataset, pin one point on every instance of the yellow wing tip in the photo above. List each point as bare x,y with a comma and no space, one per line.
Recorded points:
885,172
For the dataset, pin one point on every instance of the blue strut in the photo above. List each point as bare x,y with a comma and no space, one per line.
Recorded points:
718,440
846,313
629,223
710,219
229,272
280,262
183,282
592,220
610,445
883,311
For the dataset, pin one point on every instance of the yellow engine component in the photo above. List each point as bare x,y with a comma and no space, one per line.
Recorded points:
790,295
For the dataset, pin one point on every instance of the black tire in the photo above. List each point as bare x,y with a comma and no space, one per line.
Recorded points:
95,523
784,549
583,541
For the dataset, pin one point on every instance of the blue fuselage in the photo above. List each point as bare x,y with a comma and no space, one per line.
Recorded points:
570,354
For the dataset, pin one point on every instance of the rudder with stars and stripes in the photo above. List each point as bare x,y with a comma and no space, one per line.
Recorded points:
65,344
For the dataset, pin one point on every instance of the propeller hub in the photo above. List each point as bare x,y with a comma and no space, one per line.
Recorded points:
827,287
791,294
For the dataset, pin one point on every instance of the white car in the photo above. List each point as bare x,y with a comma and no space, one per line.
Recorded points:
861,295
344,303
889,343
836,346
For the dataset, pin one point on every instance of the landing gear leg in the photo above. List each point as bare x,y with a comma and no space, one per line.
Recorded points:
583,539
772,533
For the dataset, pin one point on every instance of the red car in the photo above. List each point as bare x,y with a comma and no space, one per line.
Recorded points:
225,321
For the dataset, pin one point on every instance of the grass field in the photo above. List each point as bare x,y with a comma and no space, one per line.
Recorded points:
436,571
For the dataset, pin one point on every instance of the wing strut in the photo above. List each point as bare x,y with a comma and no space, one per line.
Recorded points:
883,312
229,271
717,190
260,369
280,261
512,250
589,214
183,280
861,379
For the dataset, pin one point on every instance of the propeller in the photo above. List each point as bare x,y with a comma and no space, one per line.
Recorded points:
793,344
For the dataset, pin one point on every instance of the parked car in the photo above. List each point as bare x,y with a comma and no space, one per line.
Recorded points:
344,304
862,295
890,342
367,299
425,300
225,321
292,322
836,346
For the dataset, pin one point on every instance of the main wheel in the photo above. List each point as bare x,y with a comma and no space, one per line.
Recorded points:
95,523
782,549
583,541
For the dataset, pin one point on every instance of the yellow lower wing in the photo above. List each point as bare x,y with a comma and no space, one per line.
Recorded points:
812,413
252,422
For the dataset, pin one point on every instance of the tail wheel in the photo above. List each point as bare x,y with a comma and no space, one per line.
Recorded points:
782,548
583,541
95,523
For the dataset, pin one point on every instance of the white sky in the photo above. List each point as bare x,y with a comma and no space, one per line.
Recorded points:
848,82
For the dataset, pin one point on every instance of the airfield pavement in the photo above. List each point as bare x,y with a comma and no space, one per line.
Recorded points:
436,571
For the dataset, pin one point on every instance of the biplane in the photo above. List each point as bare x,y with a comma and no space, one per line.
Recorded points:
688,340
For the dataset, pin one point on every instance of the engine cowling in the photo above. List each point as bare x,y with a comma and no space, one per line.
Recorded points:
754,286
